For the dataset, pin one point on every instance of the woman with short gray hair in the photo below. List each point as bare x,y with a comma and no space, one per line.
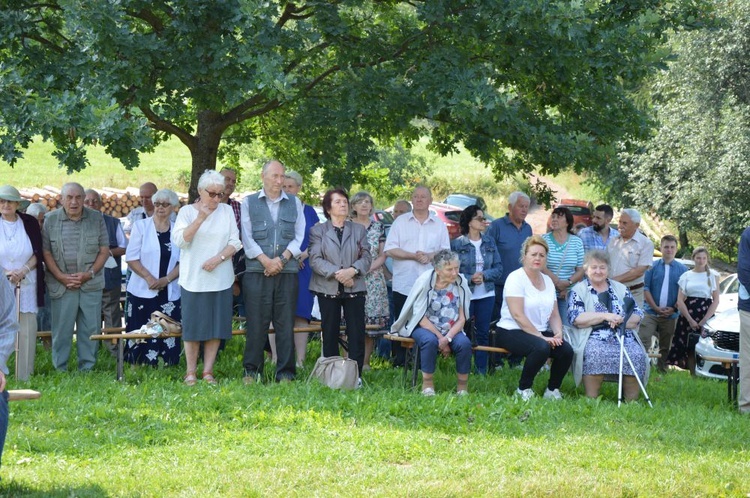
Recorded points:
434,315
207,235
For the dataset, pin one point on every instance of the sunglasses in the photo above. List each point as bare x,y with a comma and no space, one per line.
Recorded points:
162,204
213,195
478,218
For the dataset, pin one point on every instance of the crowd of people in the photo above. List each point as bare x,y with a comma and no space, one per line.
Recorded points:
560,301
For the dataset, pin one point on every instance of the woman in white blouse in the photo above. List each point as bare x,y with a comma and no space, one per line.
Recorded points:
155,264
207,235
697,299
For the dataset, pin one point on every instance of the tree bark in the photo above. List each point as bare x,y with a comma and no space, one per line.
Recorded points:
684,242
205,149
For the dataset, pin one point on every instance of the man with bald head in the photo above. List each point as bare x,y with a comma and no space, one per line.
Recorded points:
631,254
75,246
412,242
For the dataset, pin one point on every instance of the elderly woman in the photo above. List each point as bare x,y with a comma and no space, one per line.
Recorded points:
434,315
21,262
697,299
530,324
481,266
595,309
376,301
206,233
340,258
155,263
302,316
565,258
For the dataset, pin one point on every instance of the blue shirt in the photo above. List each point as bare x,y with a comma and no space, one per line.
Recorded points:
743,271
593,239
508,239
654,280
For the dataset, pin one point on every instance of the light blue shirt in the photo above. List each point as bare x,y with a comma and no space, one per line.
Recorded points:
654,281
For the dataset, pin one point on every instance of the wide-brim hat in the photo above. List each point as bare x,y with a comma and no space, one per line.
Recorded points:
10,193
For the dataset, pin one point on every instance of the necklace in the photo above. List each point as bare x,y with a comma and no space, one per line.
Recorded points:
12,236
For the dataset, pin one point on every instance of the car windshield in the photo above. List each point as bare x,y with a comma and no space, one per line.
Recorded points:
730,286
578,210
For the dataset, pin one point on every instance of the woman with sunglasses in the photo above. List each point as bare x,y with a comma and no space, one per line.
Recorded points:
207,235
480,264
152,286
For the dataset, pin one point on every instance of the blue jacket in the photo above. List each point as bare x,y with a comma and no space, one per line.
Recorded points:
743,271
493,267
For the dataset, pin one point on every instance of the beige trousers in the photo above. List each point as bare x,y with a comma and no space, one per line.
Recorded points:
26,346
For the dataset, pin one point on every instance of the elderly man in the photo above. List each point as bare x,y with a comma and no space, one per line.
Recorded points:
75,245
412,242
238,260
273,227
743,303
599,233
660,293
8,332
630,254
401,207
112,291
509,233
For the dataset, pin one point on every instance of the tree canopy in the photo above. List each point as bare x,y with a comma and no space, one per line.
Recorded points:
695,168
522,84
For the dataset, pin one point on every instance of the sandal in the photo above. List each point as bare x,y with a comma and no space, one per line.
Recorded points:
190,379
208,378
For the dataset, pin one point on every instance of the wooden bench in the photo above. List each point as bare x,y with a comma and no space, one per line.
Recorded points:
23,394
413,353
731,366
119,339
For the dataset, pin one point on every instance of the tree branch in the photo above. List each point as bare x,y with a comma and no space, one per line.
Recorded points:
168,127
150,18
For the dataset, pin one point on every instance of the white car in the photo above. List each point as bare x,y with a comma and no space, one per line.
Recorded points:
728,289
720,338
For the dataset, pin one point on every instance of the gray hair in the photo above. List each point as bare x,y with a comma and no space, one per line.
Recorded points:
166,195
72,185
209,178
359,197
443,257
595,255
633,214
513,198
293,175
35,209
92,191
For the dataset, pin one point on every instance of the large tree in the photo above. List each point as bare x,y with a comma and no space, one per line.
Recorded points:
695,169
521,83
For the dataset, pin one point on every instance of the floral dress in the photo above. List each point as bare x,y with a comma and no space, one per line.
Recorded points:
376,301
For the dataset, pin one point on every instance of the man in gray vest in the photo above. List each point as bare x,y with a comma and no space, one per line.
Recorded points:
273,226
75,247
111,311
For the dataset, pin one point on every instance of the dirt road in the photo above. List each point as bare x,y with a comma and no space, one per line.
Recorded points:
538,215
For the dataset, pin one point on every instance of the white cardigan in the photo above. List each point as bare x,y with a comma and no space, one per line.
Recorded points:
416,303
144,247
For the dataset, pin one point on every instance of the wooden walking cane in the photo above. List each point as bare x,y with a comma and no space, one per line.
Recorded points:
18,317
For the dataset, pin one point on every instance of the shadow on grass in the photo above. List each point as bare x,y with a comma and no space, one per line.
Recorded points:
9,489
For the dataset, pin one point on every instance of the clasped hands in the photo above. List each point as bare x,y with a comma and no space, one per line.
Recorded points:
75,280
345,276
15,276
156,283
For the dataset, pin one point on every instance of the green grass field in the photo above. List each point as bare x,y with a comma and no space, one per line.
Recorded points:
90,436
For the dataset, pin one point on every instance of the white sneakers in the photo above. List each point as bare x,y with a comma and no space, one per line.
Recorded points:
525,394
552,394
428,391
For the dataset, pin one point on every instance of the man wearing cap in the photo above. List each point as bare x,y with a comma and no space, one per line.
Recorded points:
630,254
76,247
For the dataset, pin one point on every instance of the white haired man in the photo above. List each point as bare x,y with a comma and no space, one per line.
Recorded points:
630,254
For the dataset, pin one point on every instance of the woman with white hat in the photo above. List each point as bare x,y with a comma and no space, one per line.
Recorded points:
21,262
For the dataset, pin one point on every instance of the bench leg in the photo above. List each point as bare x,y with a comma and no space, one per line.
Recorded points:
120,359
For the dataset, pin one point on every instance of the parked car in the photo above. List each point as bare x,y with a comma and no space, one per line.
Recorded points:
463,201
581,211
449,215
383,217
720,338
728,289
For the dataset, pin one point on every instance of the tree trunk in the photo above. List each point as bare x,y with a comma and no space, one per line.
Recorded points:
684,242
206,147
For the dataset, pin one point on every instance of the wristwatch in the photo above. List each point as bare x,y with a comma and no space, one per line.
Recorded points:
450,339
356,271
223,258
283,259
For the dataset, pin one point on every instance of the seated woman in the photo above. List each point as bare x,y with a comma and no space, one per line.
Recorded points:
597,349
434,315
530,324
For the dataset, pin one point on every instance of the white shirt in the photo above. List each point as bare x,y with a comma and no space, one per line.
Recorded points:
217,231
15,251
627,255
695,284
537,305
144,247
479,292
408,234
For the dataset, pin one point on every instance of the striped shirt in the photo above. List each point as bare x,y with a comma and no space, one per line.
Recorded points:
572,249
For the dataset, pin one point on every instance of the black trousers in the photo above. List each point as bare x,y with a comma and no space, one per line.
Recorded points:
397,350
537,351
330,323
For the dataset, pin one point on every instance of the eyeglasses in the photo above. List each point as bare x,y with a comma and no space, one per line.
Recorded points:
213,195
478,218
162,204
